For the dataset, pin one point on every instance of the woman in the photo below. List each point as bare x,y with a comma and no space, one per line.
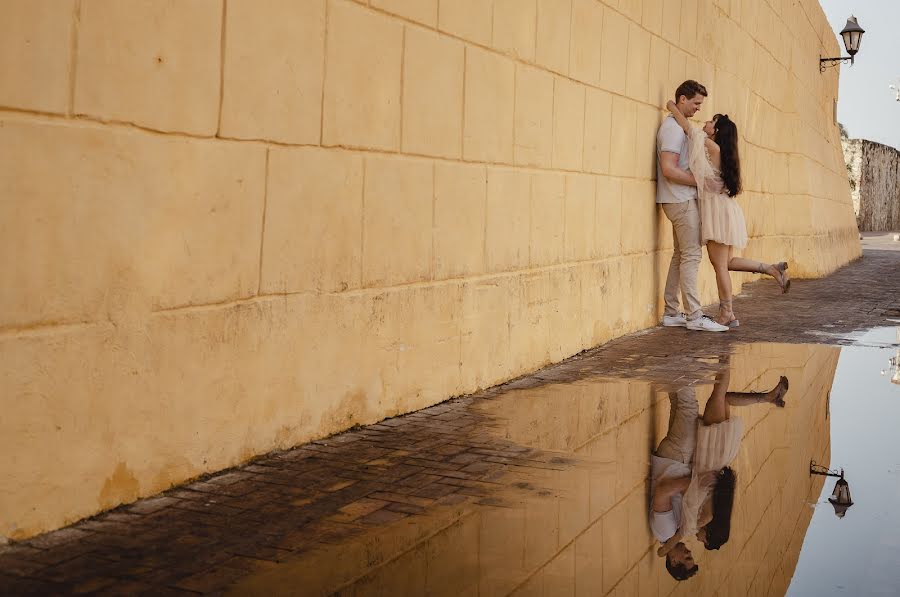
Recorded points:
708,501
715,164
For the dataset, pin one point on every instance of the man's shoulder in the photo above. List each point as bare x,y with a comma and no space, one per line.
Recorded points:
670,125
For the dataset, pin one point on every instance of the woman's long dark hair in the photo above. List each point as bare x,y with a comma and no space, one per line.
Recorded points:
727,139
719,528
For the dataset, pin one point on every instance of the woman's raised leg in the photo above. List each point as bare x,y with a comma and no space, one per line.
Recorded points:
776,270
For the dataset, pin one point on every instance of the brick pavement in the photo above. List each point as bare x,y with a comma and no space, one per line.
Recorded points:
207,535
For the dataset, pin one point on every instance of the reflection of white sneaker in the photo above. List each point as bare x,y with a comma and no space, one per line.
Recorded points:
705,324
673,321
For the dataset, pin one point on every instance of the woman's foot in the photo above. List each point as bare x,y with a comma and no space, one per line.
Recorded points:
727,319
726,315
782,276
776,396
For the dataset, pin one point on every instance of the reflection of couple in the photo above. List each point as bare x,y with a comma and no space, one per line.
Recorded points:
703,162
692,486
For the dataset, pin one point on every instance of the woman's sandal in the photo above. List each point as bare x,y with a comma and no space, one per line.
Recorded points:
783,279
782,388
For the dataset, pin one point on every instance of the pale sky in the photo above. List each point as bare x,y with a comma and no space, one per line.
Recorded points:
866,106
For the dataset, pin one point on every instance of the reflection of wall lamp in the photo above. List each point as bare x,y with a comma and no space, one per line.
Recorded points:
893,368
894,362
840,497
852,34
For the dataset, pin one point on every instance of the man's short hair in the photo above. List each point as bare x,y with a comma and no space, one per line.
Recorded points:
689,89
680,571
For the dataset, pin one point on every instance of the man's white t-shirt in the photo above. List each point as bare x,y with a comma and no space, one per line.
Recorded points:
665,524
671,138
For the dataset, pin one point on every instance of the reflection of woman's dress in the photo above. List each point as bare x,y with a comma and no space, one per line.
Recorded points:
721,218
717,447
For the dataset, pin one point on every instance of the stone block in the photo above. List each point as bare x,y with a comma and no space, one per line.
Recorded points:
362,81
586,49
421,328
529,332
35,53
633,9
652,15
671,21
658,92
156,64
678,69
554,20
615,538
508,219
490,97
624,127
580,226
469,19
548,198
568,125
277,99
609,217
648,119
514,27
432,94
639,218
195,206
614,41
597,130
636,79
534,117
397,220
589,561
313,229
421,11
688,33
460,193
485,333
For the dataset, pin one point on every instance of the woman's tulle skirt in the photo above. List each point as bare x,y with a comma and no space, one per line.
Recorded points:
722,220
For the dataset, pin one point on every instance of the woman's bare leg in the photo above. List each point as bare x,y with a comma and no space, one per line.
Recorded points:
716,409
718,256
774,396
777,270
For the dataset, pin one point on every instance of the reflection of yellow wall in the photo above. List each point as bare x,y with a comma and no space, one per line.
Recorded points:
222,241
582,529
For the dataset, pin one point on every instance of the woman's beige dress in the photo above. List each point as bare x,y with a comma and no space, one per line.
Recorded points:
721,218
717,447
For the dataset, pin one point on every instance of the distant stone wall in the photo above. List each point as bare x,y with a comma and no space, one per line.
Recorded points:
874,171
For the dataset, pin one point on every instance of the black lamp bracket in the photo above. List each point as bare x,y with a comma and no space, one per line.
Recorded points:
825,63
818,469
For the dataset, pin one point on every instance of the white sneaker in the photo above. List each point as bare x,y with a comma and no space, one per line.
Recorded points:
706,324
673,321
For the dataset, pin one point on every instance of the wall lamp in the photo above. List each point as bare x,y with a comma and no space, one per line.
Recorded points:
852,34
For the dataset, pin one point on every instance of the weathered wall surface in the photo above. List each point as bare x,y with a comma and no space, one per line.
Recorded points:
232,226
874,171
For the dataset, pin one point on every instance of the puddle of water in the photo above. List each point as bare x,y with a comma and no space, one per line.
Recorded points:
859,554
567,507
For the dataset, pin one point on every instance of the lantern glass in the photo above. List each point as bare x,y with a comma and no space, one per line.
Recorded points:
840,497
852,35
841,493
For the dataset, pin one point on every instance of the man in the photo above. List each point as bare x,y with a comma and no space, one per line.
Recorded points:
677,193
670,476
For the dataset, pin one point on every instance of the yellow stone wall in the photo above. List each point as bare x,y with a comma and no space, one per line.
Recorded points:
232,226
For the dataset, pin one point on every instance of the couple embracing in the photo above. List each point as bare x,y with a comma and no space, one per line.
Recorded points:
698,177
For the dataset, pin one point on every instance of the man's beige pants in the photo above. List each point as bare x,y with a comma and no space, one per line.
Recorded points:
685,218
